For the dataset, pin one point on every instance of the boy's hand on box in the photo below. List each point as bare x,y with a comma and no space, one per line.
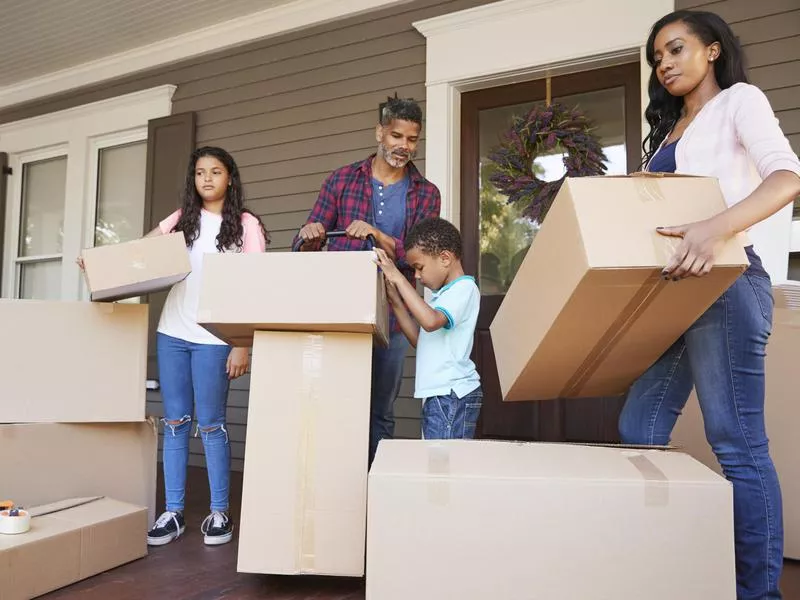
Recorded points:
393,294
238,361
390,270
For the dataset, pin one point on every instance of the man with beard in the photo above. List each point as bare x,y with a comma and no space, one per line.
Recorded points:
383,196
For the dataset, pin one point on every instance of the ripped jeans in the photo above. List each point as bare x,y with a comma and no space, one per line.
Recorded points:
193,379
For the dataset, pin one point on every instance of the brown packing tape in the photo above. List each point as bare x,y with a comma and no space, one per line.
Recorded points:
656,484
306,451
644,296
438,471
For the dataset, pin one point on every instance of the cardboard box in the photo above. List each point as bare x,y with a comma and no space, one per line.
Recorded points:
70,544
72,362
479,519
588,311
136,268
782,412
286,291
305,469
45,462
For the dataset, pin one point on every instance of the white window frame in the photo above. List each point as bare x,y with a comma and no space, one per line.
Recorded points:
79,133
13,269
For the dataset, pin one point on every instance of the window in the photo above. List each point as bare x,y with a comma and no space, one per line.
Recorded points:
77,180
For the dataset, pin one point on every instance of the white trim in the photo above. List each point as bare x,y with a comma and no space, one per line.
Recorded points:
456,63
795,243
77,133
281,19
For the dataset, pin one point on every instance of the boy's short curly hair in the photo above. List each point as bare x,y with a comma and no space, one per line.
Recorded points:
434,236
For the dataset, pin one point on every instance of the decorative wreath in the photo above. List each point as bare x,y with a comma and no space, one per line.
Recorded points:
542,130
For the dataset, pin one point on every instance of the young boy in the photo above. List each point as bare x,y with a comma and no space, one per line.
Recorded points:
441,330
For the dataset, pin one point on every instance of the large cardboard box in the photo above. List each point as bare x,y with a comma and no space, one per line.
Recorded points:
136,268
45,462
511,521
72,362
69,544
588,311
305,469
782,412
292,291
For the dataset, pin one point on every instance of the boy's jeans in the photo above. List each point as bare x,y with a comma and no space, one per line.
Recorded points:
450,417
193,379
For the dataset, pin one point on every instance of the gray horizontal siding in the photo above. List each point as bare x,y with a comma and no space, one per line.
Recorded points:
769,31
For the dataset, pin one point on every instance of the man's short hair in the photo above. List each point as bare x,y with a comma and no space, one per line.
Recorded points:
403,109
434,236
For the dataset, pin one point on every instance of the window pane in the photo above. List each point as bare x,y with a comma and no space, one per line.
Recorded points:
41,280
505,233
120,193
42,220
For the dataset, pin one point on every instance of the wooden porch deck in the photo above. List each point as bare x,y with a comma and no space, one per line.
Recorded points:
188,570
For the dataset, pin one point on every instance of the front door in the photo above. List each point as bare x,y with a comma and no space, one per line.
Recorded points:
497,236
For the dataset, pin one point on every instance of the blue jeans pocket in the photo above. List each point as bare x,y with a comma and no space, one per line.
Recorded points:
762,289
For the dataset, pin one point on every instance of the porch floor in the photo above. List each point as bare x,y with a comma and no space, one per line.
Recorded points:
188,570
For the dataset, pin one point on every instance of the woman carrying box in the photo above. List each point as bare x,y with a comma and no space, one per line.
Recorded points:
705,119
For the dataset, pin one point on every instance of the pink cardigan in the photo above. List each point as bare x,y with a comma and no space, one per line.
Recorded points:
736,138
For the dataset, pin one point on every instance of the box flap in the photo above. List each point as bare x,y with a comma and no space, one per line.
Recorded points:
480,459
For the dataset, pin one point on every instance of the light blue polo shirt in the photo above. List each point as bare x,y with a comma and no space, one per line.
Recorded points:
443,363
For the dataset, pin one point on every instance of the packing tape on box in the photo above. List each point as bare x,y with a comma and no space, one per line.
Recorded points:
656,484
644,296
14,522
438,471
305,498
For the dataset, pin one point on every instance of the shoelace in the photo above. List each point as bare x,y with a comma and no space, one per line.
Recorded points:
166,518
215,520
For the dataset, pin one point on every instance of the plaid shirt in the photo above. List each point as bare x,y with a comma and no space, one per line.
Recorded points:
346,196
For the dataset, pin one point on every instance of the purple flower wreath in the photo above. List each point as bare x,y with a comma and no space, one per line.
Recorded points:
543,129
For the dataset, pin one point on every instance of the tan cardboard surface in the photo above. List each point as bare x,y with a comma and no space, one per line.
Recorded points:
305,471
480,519
292,291
72,362
53,461
136,268
588,311
782,411
70,545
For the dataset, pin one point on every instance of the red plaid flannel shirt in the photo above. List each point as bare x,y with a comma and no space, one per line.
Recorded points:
346,196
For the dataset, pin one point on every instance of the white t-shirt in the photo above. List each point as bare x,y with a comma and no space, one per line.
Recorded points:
179,315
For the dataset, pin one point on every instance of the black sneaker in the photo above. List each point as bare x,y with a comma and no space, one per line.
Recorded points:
169,526
217,528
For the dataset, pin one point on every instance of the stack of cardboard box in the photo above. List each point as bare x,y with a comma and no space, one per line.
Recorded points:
311,319
74,429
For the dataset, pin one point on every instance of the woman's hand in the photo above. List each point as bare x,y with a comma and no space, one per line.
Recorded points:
238,361
79,262
700,243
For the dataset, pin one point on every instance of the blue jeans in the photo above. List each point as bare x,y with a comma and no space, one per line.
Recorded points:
450,417
193,379
722,355
387,374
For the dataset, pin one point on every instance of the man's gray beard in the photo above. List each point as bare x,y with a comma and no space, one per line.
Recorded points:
393,160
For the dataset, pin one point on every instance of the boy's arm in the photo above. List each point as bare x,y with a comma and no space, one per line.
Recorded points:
428,318
407,324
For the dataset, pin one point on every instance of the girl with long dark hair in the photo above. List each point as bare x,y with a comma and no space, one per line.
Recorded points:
195,368
705,119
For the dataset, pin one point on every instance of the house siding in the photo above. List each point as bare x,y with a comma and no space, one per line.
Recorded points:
290,110
769,31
